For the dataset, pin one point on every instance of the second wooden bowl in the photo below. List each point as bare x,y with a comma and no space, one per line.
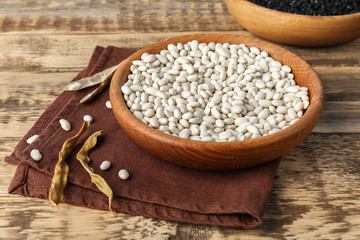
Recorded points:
220,155
295,29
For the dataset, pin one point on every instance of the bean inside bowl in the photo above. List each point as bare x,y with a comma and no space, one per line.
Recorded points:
220,155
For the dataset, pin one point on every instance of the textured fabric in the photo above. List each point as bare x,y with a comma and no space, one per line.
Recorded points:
155,188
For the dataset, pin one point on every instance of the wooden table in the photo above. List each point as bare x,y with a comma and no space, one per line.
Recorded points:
43,44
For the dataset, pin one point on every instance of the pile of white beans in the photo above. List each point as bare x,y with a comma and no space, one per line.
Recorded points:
214,92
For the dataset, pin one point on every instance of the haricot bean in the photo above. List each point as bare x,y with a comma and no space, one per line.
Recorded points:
123,174
108,104
32,139
105,165
35,155
88,118
65,124
214,92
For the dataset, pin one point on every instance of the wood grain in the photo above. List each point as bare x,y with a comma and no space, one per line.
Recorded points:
45,43
45,51
112,15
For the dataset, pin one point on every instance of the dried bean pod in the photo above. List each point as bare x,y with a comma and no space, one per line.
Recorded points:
91,81
98,90
61,170
84,159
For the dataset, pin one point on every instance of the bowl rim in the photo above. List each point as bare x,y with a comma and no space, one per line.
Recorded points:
273,11
314,109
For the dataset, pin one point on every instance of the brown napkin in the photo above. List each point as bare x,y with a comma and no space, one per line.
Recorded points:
155,188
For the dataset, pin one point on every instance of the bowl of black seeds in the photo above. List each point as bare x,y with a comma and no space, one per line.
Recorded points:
311,23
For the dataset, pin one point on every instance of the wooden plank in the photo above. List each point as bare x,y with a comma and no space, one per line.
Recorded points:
343,55
49,51
316,195
109,16
25,96
341,117
340,83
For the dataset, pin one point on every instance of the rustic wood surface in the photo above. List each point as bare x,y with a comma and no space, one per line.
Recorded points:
45,43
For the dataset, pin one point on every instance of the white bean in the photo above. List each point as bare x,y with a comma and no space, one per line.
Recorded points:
236,109
225,135
126,90
274,130
264,114
88,118
155,92
292,89
185,133
282,109
277,103
209,119
123,174
306,104
105,165
216,98
195,120
208,139
138,114
108,104
35,155
215,113
154,122
65,124
299,106
32,139
253,129
75,86
265,103
282,124
204,91
149,112
292,113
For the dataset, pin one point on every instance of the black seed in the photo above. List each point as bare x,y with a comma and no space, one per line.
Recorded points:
312,7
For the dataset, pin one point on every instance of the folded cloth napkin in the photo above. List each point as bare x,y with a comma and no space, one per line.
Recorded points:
156,188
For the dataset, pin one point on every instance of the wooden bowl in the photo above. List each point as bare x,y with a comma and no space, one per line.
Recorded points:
220,155
295,29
